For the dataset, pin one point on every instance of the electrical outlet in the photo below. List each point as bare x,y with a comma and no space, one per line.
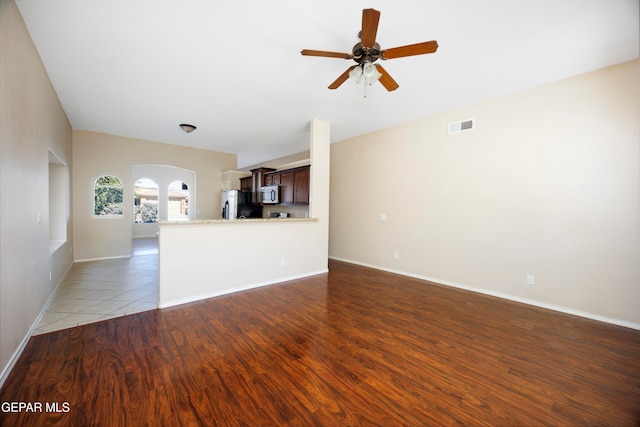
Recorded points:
283,262
531,280
383,217
396,255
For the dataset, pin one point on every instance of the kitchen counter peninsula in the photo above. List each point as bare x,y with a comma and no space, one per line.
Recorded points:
207,258
204,259
237,221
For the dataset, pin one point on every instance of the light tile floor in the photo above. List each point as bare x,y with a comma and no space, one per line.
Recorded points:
100,290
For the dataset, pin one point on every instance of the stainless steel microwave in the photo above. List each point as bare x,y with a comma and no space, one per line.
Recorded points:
271,194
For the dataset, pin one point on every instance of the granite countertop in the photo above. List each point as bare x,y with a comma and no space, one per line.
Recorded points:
236,221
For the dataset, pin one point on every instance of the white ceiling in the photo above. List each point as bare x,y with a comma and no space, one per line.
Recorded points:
138,68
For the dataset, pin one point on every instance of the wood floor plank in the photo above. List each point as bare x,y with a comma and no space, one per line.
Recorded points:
355,346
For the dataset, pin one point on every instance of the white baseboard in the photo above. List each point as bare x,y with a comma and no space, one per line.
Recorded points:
509,297
238,289
103,258
16,354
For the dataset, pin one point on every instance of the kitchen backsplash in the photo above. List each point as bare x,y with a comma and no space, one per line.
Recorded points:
301,211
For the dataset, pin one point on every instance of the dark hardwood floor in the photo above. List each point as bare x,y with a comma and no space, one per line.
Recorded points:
354,347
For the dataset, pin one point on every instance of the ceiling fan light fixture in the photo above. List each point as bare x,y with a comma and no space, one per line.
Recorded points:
370,72
356,74
187,127
365,71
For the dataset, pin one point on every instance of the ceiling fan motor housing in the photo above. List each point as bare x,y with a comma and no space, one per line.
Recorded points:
362,54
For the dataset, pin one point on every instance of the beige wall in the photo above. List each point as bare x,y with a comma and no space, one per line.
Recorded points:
32,122
548,184
97,154
300,158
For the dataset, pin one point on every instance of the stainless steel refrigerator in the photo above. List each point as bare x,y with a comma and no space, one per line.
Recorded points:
237,204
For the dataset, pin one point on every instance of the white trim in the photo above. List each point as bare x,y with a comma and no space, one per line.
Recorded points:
23,344
102,258
16,354
535,303
239,289
54,245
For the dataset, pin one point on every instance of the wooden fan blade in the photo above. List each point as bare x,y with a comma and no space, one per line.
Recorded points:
410,50
386,80
343,78
370,19
309,52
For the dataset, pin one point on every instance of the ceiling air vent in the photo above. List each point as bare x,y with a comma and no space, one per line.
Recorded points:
461,126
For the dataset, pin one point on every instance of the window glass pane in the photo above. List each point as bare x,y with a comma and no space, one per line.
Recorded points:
178,201
145,201
107,196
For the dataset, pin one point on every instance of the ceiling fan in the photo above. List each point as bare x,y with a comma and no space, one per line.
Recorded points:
367,51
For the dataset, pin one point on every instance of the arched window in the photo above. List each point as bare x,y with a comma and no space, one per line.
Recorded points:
145,201
178,201
107,196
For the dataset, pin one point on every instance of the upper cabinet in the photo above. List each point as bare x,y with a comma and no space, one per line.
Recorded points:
294,185
246,183
301,186
272,179
287,187
257,182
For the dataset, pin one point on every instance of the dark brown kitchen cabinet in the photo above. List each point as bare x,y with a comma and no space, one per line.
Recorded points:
301,186
246,183
294,185
257,182
287,183
272,179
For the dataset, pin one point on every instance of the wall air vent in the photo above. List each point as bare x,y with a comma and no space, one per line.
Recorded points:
461,126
